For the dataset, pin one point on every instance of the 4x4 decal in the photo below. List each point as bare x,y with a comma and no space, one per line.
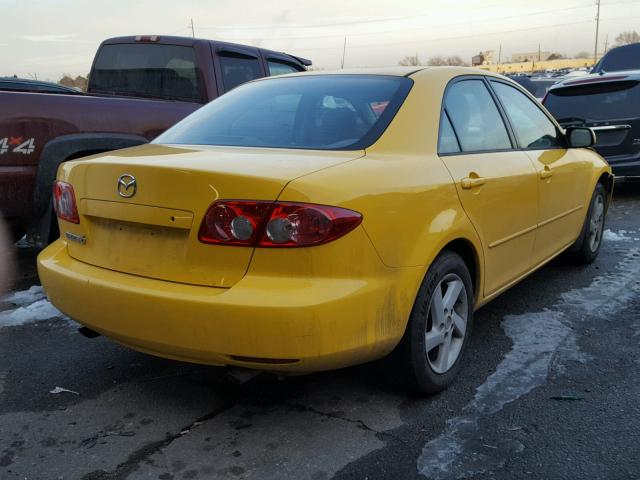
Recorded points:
17,145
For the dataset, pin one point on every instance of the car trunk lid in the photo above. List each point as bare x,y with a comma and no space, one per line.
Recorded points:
152,230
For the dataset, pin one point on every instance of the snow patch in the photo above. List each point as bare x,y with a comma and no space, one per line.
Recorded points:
619,236
538,340
33,306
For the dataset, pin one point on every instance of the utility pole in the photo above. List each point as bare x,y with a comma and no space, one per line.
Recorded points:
595,50
539,53
344,50
193,32
606,43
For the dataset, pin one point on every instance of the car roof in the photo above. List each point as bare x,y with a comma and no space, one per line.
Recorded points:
190,42
27,82
400,71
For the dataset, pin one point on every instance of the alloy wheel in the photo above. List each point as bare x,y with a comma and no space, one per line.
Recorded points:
596,223
446,324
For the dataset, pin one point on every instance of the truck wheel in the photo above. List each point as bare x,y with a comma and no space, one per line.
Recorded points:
430,354
587,247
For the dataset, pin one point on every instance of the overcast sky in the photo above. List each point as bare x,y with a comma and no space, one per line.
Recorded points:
50,37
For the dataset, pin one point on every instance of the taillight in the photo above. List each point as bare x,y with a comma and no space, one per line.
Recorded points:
279,224
64,202
233,223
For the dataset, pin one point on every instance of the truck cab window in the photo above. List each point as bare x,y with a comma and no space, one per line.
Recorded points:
146,70
237,70
280,68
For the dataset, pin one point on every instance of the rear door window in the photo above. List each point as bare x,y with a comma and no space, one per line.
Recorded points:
280,68
146,70
532,127
594,102
237,70
475,117
447,142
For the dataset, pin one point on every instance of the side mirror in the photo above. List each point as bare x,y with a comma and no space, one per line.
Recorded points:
580,137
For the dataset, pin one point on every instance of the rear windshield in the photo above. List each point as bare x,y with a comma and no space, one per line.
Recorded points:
146,70
326,112
602,101
622,58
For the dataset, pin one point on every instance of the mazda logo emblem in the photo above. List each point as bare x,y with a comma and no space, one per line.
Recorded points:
127,185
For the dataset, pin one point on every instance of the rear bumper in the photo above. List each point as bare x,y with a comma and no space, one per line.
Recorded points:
271,323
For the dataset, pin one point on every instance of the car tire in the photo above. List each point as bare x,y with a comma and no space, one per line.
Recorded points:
419,360
16,233
586,248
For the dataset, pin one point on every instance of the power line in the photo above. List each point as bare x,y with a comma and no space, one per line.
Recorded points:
335,24
404,30
389,19
414,42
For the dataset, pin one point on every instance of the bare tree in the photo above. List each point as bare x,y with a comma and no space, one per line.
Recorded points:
582,54
410,61
439,61
626,38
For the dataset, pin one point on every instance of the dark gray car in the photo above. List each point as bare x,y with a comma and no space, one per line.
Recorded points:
609,103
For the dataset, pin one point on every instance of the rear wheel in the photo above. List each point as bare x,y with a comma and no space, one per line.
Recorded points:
587,247
430,354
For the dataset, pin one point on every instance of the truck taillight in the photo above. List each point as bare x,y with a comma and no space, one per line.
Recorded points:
147,38
277,224
64,202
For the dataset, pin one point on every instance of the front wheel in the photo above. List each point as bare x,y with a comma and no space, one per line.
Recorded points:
430,354
587,247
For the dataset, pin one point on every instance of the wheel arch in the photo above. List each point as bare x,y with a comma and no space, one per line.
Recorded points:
470,255
56,152
69,147
607,180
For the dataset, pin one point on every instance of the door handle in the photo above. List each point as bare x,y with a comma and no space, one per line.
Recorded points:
546,172
470,182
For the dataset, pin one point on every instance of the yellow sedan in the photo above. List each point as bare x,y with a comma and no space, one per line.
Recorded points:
315,221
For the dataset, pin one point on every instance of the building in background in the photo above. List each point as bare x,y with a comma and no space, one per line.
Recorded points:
483,58
530,57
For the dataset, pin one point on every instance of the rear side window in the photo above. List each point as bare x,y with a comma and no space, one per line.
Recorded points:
475,117
237,70
146,70
447,143
596,101
531,126
323,112
280,68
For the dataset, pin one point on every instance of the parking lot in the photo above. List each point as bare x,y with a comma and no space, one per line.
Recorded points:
549,390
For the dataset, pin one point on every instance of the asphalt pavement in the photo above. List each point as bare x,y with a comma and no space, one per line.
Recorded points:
550,390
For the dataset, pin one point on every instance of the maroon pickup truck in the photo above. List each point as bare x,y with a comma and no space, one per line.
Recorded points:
138,87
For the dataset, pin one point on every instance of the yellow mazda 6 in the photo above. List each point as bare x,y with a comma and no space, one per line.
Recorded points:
314,221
